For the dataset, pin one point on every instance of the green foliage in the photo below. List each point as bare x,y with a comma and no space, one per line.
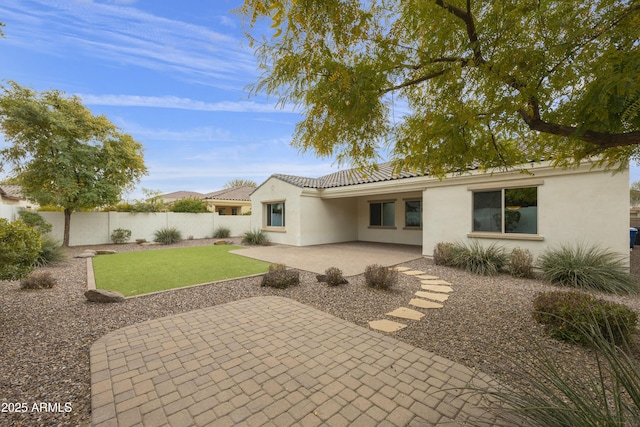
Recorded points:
191,205
380,277
442,254
50,253
478,91
38,280
486,261
279,277
34,220
255,237
590,268
64,155
167,236
574,316
521,263
334,277
634,193
120,235
222,232
20,246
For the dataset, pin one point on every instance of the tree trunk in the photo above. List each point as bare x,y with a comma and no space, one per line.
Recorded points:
67,224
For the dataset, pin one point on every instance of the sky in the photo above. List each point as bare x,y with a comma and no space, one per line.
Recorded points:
173,74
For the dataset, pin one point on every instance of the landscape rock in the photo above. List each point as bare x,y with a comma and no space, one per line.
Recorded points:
221,242
103,296
106,252
87,254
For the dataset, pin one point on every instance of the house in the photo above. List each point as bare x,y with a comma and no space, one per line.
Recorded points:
178,195
12,195
535,209
230,201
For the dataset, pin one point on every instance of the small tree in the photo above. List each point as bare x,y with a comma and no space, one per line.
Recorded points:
20,247
191,204
238,182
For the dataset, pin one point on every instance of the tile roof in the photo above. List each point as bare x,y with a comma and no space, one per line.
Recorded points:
241,192
11,191
347,177
181,195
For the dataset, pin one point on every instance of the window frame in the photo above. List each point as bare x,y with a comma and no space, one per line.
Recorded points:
268,215
412,227
382,219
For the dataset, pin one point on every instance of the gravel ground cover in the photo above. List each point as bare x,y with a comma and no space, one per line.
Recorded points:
45,335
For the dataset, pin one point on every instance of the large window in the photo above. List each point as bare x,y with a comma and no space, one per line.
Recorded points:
510,210
275,214
382,214
413,213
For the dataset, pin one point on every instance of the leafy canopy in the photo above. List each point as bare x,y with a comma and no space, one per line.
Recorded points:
448,85
239,182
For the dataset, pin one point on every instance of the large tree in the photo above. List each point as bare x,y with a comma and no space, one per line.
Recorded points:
449,85
62,154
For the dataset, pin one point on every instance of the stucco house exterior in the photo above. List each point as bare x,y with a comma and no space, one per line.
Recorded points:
179,195
12,195
536,209
230,201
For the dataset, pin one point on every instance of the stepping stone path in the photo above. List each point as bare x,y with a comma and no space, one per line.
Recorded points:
433,289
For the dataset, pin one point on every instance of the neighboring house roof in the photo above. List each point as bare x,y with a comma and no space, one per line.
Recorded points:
347,177
234,193
181,195
11,192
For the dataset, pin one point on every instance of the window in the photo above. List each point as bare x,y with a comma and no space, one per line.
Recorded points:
382,214
510,210
275,214
413,213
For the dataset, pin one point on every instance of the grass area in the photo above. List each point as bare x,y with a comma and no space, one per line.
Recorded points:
135,273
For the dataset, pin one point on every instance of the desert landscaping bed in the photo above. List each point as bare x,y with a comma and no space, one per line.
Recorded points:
45,335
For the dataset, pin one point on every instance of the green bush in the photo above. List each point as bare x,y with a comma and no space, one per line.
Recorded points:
222,232
590,268
33,219
38,280
442,254
279,277
521,263
20,247
120,235
255,237
50,253
333,276
486,261
167,236
379,277
574,316
190,205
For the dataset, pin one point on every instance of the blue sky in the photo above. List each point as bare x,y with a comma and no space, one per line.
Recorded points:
170,73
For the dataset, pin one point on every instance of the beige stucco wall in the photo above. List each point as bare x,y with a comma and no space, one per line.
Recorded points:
275,190
395,235
328,221
582,205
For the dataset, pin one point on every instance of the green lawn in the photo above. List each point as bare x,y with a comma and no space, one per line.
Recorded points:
135,273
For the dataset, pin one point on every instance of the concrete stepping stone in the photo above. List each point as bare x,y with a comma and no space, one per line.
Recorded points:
406,313
435,282
401,268
427,277
386,325
433,296
413,272
437,288
423,303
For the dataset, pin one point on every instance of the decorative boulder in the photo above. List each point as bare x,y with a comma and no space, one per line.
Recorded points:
221,242
88,253
105,252
102,296
323,278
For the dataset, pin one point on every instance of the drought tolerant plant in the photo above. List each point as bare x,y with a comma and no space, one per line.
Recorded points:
38,280
333,276
20,246
167,236
279,277
50,253
591,268
478,259
190,205
575,316
380,277
120,235
36,221
521,263
255,237
442,254
222,232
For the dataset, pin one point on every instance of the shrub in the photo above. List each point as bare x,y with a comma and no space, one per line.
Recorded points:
574,316
255,237
590,268
20,247
279,277
33,219
521,263
333,276
377,276
50,253
190,205
120,235
167,236
222,232
442,254
478,259
38,280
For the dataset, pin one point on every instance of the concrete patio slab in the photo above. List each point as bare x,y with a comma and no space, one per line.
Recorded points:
437,288
435,282
351,257
433,296
274,361
406,313
385,325
423,303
